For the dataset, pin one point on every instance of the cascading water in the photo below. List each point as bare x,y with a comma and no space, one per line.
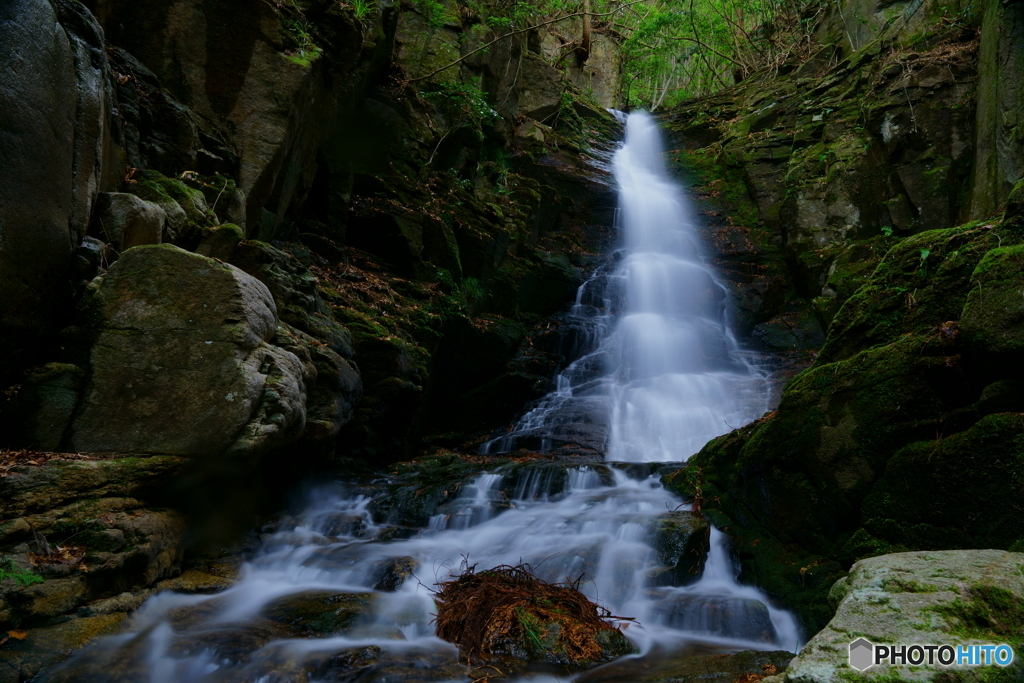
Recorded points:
662,377
664,374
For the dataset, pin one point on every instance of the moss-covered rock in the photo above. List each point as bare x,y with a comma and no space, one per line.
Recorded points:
687,667
181,363
185,207
936,598
112,542
922,282
42,648
988,459
992,323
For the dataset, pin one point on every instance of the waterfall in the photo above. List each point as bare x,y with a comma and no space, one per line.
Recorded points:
662,374
658,375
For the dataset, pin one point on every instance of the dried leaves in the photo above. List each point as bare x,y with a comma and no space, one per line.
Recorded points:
507,608
10,459
66,555
16,634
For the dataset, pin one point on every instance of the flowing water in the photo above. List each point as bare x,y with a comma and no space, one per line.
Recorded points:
659,375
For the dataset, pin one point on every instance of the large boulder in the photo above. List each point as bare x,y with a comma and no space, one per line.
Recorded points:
928,598
182,363
55,142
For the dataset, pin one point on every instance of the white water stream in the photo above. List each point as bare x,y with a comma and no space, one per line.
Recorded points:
665,374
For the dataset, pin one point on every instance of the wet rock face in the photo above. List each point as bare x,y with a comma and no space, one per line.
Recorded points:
718,616
682,543
54,111
937,598
182,364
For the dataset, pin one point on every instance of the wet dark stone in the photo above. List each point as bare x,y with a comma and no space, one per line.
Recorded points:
393,572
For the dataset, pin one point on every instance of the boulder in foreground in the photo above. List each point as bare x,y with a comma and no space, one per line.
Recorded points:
930,598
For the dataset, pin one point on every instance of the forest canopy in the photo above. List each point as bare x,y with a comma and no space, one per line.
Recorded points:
671,49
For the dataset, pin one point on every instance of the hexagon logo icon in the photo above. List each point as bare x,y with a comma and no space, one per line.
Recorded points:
862,654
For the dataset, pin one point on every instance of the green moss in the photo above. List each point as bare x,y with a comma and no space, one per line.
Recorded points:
992,452
901,296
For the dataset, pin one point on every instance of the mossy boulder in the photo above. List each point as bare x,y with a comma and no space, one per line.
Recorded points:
182,362
185,207
992,323
976,470
937,598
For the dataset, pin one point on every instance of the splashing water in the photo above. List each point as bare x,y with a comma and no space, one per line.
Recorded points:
658,376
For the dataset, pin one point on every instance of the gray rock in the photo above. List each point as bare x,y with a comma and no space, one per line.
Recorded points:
126,220
933,598
540,88
182,363
54,142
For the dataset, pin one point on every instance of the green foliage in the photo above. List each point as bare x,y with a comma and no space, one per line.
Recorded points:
8,571
433,10
461,100
472,290
675,49
362,8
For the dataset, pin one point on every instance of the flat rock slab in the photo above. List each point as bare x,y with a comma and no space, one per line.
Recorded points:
944,597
